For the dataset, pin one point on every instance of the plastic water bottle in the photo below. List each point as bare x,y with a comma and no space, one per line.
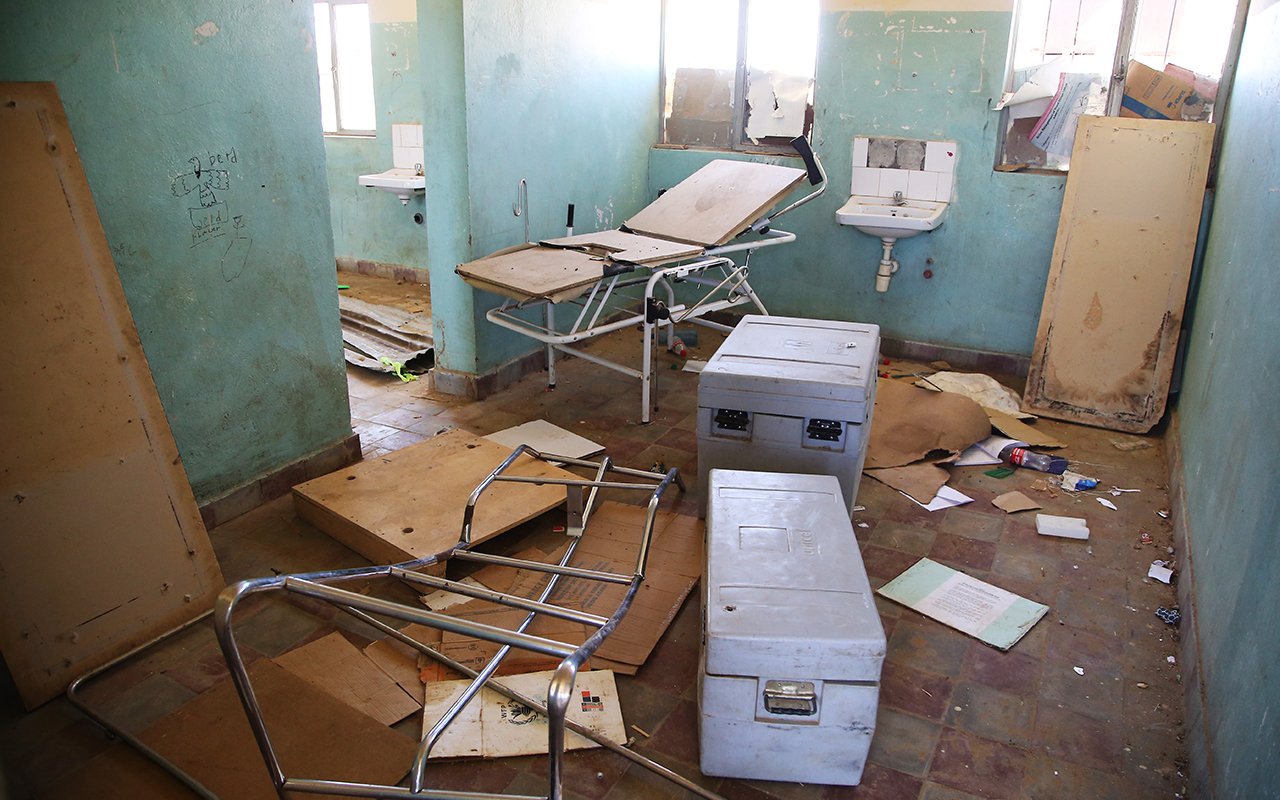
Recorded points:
1022,457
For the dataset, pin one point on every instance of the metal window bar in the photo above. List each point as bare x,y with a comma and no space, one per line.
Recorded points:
320,585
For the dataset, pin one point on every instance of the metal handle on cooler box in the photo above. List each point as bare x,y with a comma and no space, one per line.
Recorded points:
795,698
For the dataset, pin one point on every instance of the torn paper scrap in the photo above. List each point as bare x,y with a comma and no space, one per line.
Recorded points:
1013,502
946,498
971,606
1067,527
694,365
545,437
1160,571
1105,502
982,389
493,725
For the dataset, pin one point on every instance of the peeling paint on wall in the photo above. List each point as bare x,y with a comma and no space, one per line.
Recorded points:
777,102
205,32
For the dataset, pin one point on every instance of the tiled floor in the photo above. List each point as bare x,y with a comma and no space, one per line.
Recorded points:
957,719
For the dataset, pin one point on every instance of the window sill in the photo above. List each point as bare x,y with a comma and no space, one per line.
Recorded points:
754,151
351,135
1060,173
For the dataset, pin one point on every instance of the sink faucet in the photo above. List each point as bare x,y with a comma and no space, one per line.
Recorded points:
898,199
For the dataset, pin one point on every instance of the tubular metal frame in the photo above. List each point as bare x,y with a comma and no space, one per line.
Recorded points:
325,586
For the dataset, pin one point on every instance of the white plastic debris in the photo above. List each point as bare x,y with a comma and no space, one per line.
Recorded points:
1160,571
1104,501
1171,660
1068,527
1116,491
1075,482
1078,670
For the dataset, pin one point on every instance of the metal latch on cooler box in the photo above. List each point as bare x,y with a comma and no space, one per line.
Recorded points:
790,697
727,419
825,430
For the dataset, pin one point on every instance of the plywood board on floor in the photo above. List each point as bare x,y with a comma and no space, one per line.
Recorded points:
1117,285
717,202
314,735
409,504
103,547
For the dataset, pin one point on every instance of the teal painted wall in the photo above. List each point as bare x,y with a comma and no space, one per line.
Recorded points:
918,75
370,223
1230,438
562,93
238,318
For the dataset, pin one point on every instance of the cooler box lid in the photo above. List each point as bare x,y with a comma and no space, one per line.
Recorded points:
786,595
788,358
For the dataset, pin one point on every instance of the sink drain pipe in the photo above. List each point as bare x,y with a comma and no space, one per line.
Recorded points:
888,265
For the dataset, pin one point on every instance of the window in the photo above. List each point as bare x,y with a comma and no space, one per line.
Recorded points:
344,56
738,74
1071,57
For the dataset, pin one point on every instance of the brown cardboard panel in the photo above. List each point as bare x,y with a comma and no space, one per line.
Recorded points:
1015,428
409,504
103,547
910,423
1117,283
920,481
314,735
334,665
611,543
717,202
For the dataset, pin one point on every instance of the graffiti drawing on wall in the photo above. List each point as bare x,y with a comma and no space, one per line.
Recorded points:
207,184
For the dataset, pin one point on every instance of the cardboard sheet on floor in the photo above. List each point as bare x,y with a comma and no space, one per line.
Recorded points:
610,543
1013,502
315,736
409,503
493,725
1017,429
912,423
399,661
982,389
546,437
334,665
474,653
117,773
920,482
971,606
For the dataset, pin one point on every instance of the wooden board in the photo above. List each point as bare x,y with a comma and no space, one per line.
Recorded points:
101,543
1118,280
531,271
315,736
409,504
629,247
337,667
717,202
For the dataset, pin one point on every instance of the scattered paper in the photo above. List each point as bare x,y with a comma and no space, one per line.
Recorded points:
1066,527
1055,132
1075,482
546,438
981,389
946,498
1171,659
694,365
971,606
863,525
1160,571
1105,502
1013,502
494,726
1078,670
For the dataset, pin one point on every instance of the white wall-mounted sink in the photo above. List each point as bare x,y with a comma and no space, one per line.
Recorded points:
881,216
403,182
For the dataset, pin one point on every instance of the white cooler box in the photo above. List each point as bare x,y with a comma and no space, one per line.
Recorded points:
789,676
784,394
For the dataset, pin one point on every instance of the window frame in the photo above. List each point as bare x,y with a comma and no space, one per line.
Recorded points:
1129,12
334,68
739,142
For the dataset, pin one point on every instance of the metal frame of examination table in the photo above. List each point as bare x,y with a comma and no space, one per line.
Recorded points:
326,586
